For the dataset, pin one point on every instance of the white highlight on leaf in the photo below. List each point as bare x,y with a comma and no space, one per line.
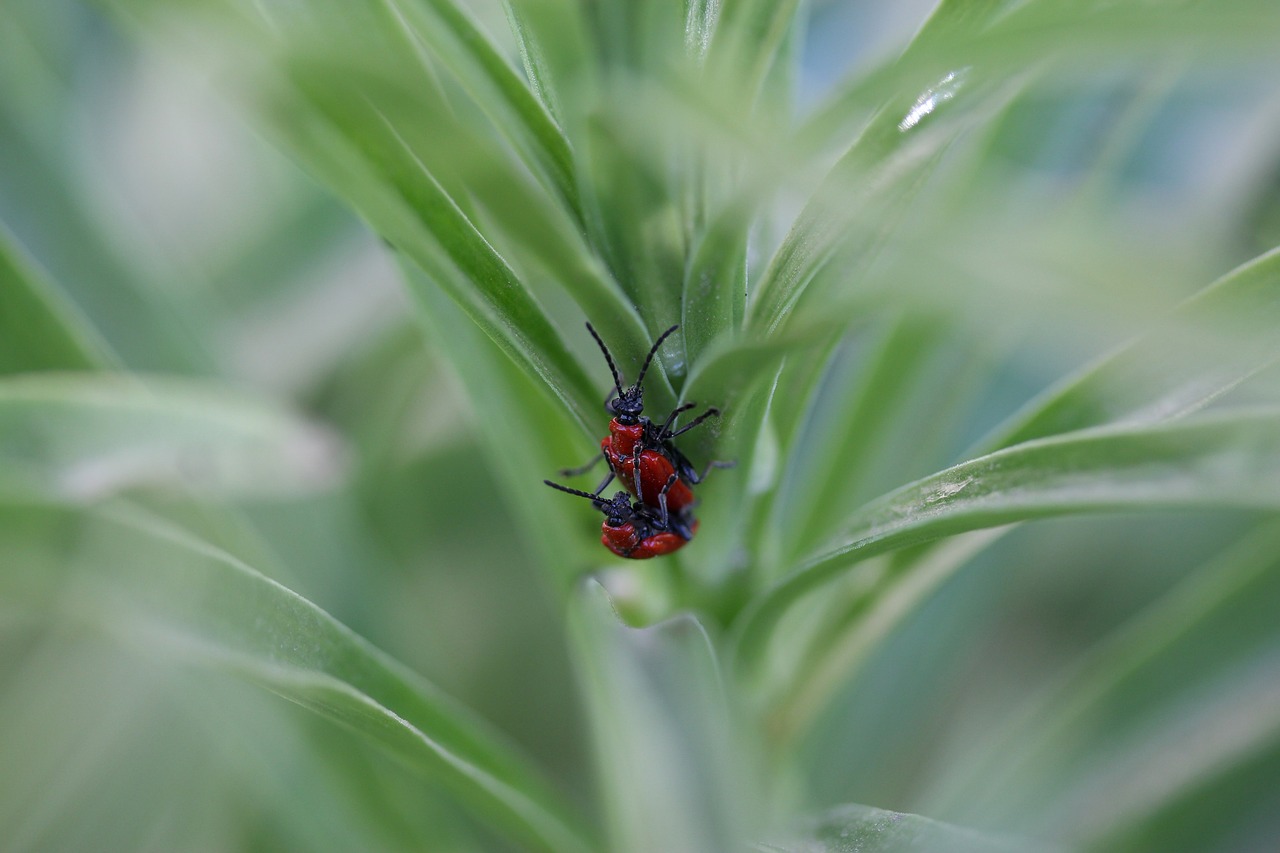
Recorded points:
941,92
947,490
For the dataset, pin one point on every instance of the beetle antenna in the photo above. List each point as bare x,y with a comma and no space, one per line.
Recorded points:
613,368
570,491
652,352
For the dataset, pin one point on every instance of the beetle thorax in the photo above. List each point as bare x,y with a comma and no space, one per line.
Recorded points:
624,437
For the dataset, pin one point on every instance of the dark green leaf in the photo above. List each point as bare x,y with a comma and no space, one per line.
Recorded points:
39,328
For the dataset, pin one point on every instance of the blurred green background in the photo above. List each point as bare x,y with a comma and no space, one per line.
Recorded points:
227,357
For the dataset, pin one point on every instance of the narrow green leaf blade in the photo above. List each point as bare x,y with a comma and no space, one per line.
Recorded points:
81,437
556,53
1149,721
1212,342
357,149
866,191
40,329
470,54
154,586
1230,459
715,287
886,403
865,829
669,763
749,40
528,435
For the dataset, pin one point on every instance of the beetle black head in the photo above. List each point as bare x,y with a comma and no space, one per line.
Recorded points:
617,509
628,406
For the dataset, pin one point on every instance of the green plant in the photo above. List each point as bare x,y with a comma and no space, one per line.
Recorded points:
962,290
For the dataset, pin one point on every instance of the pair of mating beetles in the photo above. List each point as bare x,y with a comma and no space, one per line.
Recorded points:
654,516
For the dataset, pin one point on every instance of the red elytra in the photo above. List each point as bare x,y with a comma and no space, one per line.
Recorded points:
636,531
655,468
626,541
639,452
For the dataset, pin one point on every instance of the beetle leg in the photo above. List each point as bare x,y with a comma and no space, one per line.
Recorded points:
581,469
635,471
696,478
711,412
675,413
608,477
662,500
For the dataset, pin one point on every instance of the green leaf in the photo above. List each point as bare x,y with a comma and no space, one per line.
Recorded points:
156,588
49,210
40,329
1229,459
356,149
557,54
669,759
467,51
715,285
1064,36
750,41
850,626
867,190
509,217
700,19
863,829
80,437
641,233
528,435
1212,342
1178,700
875,421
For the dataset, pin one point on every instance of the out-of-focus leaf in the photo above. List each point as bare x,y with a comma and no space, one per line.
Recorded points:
81,437
467,51
550,39
352,90
156,588
700,19
511,216
669,759
39,328
863,829
1230,459
527,434
122,752
750,41
1211,343
55,222
843,635
358,153
886,403
1179,699
642,233
1038,33
419,41
730,367
715,287
870,186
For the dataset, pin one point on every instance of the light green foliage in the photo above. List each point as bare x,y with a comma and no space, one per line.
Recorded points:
292,297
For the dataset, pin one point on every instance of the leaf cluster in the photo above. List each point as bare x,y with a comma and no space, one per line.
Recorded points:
935,300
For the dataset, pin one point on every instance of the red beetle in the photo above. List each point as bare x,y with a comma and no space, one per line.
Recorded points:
639,452
636,531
